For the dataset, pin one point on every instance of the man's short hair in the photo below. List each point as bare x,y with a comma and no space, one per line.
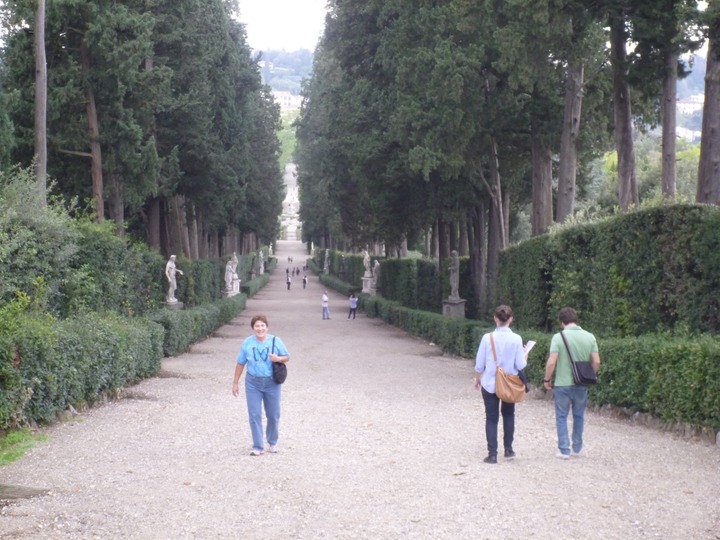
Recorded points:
567,315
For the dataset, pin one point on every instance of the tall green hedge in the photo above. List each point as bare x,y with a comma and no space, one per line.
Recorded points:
644,272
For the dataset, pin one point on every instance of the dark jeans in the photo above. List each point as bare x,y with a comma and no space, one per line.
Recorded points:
492,404
352,312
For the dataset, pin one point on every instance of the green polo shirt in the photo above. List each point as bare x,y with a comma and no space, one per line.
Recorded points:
581,343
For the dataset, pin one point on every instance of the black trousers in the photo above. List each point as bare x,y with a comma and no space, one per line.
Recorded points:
492,414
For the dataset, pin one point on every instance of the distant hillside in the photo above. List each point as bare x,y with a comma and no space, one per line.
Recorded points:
284,71
695,82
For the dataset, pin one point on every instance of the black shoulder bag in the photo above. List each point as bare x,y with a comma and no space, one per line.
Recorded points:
582,372
279,368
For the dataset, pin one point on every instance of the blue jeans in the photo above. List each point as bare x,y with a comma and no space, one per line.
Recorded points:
569,398
326,312
492,417
259,391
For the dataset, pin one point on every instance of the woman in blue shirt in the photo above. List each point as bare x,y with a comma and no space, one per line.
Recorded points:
258,352
510,357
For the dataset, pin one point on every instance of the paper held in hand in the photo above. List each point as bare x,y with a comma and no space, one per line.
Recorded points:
528,347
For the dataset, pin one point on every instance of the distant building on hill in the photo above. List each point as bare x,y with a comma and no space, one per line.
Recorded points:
691,104
286,100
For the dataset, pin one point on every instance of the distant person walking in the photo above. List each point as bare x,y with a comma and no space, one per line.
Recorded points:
304,281
568,395
289,281
353,306
258,352
325,306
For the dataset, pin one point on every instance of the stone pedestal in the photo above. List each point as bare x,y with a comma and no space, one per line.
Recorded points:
235,289
454,307
174,305
368,285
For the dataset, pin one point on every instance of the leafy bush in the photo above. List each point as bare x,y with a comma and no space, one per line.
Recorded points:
36,242
185,326
637,273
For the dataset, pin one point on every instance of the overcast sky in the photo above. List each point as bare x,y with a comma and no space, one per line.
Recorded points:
283,24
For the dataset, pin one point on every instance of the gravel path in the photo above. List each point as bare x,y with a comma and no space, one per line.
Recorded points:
381,437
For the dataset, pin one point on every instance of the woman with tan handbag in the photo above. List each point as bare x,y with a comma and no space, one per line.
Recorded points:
500,348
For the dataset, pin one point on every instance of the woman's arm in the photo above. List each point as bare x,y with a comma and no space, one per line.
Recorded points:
236,379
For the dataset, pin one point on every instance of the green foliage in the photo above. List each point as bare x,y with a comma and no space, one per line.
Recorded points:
453,335
186,326
674,378
14,445
287,137
285,70
56,364
36,242
637,273
254,285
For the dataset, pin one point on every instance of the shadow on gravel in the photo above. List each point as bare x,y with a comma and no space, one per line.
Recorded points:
19,492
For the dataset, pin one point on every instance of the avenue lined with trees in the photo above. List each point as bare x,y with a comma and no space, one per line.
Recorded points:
156,119
430,125
444,121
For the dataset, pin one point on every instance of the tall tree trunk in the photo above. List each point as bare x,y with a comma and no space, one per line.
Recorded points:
443,241
495,190
627,181
464,248
494,247
567,172
478,255
182,224
193,234
708,190
153,223
93,126
40,103
117,206
669,124
541,186
435,241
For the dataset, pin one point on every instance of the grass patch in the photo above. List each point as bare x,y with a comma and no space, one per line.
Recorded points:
16,443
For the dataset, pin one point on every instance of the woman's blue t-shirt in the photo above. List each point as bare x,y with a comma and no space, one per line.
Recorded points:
256,353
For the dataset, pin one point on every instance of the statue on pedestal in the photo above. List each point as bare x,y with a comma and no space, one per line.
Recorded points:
376,274
366,263
261,262
170,272
230,271
454,269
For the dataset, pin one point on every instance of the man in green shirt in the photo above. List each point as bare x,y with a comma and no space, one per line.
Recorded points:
568,395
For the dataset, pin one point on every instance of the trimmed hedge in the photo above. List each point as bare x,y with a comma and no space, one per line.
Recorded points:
453,335
74,361
676,378
638,273
183,327
47,365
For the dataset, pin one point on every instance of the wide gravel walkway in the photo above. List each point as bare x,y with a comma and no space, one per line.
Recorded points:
382,437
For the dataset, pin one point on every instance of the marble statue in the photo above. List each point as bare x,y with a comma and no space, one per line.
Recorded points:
366,263
454,269
231,271
170,272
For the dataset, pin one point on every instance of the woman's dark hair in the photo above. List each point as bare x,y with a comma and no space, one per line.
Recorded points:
257,318
503,313
567,315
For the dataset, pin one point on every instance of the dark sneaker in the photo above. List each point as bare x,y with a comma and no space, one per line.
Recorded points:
509,454
492,458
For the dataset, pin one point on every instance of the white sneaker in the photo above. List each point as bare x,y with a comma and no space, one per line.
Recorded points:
273,449
256,452
573,453
560,455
